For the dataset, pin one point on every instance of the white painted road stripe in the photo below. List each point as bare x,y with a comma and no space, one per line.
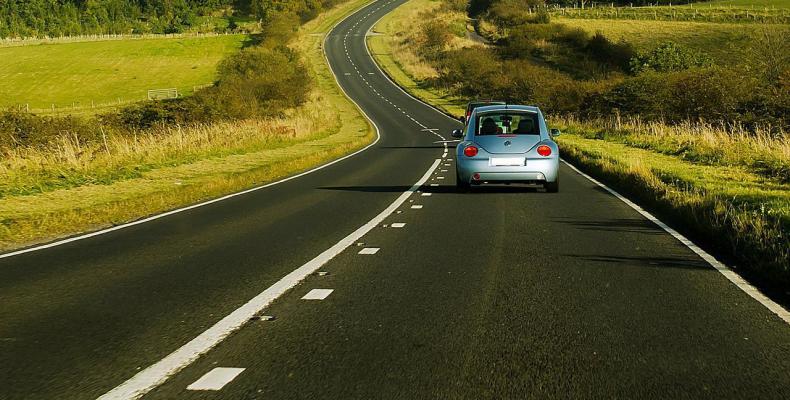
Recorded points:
317,294
156,374
369,250
728,273
205,203
216,379
398,225
417,206
153,376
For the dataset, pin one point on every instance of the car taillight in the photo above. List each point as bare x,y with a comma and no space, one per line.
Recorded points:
544,150
470,151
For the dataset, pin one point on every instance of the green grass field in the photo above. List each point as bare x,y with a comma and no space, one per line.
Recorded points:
101,72
726,43
76,186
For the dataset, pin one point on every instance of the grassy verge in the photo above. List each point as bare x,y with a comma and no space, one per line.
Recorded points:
121,179
728,190
391,47
85,75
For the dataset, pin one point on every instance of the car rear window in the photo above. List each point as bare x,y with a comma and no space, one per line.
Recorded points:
507,123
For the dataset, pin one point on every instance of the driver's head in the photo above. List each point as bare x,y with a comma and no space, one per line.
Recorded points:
489,123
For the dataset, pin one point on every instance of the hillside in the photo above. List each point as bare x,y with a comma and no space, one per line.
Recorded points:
83,76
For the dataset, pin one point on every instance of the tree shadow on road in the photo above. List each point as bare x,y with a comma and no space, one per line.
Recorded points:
646,261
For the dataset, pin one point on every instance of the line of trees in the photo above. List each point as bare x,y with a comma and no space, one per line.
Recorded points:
37,18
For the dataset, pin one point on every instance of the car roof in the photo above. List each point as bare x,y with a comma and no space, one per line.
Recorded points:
486,101
507,107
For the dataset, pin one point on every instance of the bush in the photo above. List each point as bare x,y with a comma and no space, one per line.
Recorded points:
644,95
574,37
713,94
258,81
522,40
509,14
668,57
434,37
22,129
473,72
618,55
456,5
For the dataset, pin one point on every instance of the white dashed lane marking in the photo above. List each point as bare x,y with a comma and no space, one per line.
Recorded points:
369,250
417,206
427,194
398,225
317,294
216,379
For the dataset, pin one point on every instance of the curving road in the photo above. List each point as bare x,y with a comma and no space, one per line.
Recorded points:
500,293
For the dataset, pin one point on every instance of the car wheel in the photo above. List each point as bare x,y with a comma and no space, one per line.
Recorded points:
552,187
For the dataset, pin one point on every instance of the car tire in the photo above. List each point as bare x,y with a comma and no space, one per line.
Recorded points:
552,187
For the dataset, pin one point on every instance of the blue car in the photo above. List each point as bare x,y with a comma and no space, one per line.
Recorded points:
507,144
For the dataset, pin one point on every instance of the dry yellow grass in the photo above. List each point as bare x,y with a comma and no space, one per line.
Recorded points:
75,186
394,49
761,151
728,188
403,36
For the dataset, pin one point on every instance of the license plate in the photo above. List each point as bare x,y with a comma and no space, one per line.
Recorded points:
507,162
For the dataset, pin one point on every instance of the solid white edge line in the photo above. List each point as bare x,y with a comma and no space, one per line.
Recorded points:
205,203
733,277
716,264
156,374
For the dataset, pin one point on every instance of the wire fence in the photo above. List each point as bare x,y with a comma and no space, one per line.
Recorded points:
684,12
24,41
91,106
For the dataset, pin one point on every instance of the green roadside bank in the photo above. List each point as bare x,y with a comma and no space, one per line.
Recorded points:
190,164
734,205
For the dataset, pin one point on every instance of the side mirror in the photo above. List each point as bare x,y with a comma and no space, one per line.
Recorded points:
555,132
457,133
462,119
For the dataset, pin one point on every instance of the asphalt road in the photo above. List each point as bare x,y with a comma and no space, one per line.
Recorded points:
500,293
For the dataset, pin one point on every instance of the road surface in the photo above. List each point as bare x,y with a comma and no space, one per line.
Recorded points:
502,293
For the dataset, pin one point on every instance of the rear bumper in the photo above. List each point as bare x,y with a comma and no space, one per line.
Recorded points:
535,171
